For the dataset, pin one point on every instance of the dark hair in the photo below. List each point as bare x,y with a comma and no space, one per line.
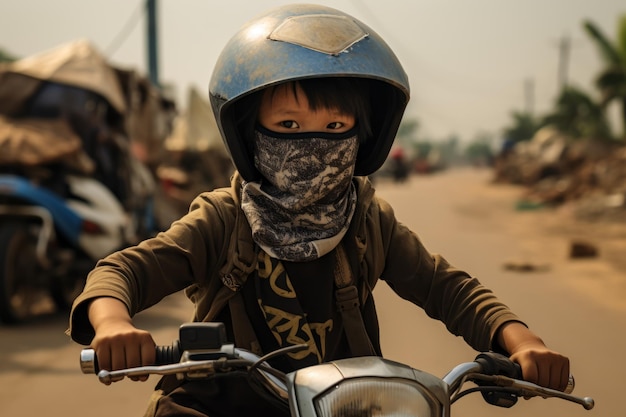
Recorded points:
347,94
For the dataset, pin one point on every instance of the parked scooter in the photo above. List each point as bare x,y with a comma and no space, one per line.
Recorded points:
362,386
70,194
50,240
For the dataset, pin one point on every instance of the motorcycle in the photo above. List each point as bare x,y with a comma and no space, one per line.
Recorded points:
362,386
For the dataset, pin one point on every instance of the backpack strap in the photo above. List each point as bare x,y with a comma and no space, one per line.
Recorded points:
241,258
238,258
241,255
347,299
245,336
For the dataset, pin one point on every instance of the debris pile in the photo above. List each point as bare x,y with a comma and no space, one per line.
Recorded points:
554,169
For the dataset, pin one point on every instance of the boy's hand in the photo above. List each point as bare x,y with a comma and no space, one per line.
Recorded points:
117,343
539,364
543,366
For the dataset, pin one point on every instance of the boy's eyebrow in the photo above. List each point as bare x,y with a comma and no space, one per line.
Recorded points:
286,110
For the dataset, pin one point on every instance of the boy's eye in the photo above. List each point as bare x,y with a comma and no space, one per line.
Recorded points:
289,124
335,125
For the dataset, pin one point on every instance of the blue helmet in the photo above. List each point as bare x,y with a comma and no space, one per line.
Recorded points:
297,42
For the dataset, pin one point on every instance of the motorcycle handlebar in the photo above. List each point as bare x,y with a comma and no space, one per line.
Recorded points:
487,363
490,370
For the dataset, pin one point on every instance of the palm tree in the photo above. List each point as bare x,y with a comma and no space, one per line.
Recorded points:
577,115
522,128
612,80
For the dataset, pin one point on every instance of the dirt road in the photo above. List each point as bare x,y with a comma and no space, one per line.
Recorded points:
577,306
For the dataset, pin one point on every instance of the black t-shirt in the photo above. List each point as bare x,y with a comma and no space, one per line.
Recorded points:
314,285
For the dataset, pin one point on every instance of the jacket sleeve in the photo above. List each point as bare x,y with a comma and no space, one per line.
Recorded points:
140,276
448,294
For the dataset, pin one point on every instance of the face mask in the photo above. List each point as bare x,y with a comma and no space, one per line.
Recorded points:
311,167
303,207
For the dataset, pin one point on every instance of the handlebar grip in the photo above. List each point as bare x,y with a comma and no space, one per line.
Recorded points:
165,355
497,364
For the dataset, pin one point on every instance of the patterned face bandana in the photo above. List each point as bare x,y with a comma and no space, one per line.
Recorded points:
304,208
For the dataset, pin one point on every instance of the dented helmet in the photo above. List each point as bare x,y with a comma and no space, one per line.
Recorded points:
296,42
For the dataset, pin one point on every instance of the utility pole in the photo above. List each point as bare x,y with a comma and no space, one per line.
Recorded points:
564,50
152,42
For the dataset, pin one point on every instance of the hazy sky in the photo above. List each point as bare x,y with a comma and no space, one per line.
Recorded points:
468,60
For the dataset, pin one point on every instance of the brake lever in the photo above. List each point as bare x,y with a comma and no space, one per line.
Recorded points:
528,389
207,367
531,390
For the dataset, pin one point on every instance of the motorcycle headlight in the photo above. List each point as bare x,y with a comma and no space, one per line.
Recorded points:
381,397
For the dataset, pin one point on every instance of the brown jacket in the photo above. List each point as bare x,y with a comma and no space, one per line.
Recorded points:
198,254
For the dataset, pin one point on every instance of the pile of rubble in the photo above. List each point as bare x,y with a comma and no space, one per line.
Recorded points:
588,174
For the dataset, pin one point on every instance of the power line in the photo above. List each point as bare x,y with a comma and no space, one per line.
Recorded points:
126,30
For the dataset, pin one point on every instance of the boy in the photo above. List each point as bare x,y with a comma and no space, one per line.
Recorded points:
308,101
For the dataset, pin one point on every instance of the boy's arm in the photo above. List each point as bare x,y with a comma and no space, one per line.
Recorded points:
539,364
